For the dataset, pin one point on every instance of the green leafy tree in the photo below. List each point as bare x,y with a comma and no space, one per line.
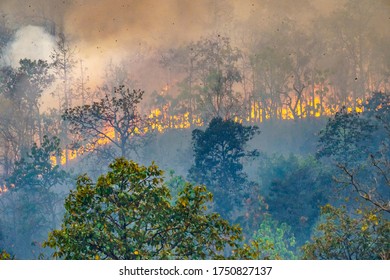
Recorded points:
127,214
364,164
273,240
30,207
219,152
36,171
175,184
341,235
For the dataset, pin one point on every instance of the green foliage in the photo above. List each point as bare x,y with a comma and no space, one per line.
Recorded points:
272,241
4,255
358,143
128,214
219,152
175,184
345,236
35,171
294,188
349,136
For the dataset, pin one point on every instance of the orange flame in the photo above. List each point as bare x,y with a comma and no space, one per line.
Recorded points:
161,120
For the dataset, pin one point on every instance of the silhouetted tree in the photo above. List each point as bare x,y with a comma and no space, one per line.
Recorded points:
219,152
358,144
112,126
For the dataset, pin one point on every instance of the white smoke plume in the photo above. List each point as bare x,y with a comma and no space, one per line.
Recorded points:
31,42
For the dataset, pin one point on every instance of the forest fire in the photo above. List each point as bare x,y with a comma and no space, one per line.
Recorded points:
160,121
140,130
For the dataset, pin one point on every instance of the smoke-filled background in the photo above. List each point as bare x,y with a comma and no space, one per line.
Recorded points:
104,31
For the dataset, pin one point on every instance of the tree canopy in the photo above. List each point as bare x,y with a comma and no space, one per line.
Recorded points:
127,214
294,188
219,152
349,236
358,143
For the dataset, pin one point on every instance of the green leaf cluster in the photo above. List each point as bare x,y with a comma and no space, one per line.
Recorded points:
341,235
275,240
5,256
128,214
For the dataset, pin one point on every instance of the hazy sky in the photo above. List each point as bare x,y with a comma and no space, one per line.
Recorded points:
112,29
121,24
118,23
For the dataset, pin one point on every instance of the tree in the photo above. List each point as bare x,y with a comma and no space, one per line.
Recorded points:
127,214
180,61
36,170
175,184
341,236
345,137
63,62
112,123
30,207
216,73
364,232
20,117
355,34
34,79
294,188
5,34
358,144
273,240
211,73
219,152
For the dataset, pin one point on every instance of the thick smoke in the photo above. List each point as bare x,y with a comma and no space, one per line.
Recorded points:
31,42
103,27
111,31
123,24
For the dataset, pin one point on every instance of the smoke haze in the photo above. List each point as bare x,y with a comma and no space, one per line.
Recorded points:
111,31
103,26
